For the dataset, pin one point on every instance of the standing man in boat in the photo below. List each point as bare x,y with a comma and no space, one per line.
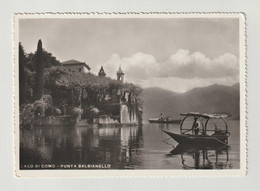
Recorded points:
195,126
162,119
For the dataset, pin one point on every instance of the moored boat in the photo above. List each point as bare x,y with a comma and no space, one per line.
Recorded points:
187,139
199,134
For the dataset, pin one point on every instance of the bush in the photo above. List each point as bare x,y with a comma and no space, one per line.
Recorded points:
39,108
56,111
76,111
43,106
76,114
26,115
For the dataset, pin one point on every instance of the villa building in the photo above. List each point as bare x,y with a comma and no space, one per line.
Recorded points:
76,66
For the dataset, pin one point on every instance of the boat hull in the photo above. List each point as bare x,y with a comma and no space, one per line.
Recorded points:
213,140
165,121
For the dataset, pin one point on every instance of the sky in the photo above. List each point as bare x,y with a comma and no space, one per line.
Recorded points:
177,54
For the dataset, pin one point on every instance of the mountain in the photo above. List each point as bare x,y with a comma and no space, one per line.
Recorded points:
154,93
212,99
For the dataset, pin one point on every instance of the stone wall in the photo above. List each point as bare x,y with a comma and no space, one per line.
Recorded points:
127,116
106,119
122,111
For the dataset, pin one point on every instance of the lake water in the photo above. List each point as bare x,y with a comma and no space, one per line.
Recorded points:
125,147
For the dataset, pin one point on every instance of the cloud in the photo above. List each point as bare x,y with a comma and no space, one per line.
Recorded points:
182,64
181,71
137,67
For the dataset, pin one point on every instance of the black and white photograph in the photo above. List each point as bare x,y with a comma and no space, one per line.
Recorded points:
109,93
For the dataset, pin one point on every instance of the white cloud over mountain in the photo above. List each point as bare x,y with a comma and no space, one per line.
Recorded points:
182,68
182,64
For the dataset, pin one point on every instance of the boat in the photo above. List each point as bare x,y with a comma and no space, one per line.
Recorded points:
188,139
202,136
164,120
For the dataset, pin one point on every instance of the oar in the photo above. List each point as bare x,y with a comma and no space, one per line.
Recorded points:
187,131
219,140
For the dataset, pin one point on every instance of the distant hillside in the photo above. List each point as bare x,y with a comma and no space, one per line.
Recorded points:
154,93
211,99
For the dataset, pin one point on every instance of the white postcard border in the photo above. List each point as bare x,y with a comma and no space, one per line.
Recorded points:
134,173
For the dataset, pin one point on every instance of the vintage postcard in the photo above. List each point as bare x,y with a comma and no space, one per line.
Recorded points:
130,94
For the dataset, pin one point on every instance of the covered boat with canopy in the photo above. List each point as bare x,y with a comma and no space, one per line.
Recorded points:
202,128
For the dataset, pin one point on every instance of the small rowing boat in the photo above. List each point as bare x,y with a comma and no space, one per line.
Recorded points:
164,120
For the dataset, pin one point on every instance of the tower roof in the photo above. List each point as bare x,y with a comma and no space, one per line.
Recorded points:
101,72
119,71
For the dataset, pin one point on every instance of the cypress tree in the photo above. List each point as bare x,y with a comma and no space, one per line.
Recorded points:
22,76
39,67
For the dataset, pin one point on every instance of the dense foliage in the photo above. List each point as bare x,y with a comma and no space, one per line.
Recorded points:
92,89
27,72
49,89
48,60
60,75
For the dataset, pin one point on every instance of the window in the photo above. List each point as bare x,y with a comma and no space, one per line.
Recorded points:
79,69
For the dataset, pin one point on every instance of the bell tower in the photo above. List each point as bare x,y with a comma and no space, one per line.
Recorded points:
120,74
101,72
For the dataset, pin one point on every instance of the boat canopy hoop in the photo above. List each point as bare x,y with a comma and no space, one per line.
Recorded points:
206,116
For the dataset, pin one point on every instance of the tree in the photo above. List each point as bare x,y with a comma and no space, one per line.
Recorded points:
39,67
48,59
22,76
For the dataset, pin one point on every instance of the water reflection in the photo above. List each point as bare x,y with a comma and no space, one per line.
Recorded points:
203,157
123,147
118,146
